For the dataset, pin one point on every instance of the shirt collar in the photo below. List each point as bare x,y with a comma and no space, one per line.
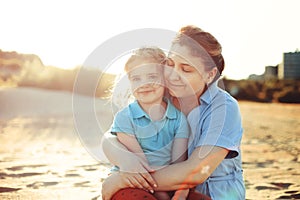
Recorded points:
210,93
171,110
138,112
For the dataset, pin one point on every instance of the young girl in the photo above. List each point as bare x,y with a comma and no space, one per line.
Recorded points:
151,127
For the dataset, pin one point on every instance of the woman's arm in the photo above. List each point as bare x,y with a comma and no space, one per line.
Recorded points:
203,161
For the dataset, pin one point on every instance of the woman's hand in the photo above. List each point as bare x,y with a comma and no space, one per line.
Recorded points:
136,180
137,174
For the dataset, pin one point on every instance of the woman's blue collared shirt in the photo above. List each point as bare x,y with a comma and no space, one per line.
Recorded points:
217,122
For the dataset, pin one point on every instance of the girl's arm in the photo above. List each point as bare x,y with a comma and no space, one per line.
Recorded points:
119,155
179,154
131,143
179,150
135,179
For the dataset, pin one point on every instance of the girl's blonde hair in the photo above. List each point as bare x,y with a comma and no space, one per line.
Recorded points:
152,53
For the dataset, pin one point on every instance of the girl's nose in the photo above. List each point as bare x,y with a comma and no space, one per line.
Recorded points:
146,85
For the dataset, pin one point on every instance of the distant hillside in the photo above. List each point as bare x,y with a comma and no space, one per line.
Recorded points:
271,90
12,63
28,70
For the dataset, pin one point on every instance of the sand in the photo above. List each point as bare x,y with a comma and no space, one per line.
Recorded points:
49,147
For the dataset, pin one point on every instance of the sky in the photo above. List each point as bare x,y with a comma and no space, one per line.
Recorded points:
253,33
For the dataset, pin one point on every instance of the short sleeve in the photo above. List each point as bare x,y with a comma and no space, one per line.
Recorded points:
183,129
122,122
222,126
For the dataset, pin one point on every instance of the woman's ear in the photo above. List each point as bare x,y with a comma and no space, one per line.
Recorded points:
211,75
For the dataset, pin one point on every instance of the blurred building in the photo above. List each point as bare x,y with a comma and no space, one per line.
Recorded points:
290,66
271,72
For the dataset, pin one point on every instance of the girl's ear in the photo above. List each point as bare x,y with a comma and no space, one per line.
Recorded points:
211,75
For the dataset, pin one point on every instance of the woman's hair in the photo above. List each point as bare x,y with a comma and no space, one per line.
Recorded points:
198,40
154,54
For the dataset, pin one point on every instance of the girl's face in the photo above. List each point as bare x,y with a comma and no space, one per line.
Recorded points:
182,77
147,82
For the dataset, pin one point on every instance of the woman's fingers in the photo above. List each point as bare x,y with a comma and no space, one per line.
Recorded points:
137,180
148,176
149,179
135,183
146,167
130,183
144,182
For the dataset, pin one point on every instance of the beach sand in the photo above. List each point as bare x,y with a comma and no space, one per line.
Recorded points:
49,147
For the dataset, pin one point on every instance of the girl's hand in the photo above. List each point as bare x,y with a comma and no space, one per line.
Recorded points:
111,185
117,181
181,194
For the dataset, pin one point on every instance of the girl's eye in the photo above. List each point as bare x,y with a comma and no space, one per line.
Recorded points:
134,79
153,77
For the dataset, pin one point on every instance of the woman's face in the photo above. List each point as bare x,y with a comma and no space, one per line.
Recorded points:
183,78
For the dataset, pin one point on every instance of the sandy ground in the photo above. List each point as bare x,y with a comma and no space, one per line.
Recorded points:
49,147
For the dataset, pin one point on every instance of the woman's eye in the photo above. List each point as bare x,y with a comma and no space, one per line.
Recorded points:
169,62
153,77
187,68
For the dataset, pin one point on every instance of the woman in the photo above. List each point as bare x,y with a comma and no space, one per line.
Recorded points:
214,165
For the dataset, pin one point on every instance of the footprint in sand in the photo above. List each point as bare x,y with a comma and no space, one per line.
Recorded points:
21,167
82,184
37,185
72,175
8,189
292,196
282,185
20,175
266,188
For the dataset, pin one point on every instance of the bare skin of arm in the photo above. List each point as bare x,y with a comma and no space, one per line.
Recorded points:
119,155
203,161
179,150
131,143
179,154
190,173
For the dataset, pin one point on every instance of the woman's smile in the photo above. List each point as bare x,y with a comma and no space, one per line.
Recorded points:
175,85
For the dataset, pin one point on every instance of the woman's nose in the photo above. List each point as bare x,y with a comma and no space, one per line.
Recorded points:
173,74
